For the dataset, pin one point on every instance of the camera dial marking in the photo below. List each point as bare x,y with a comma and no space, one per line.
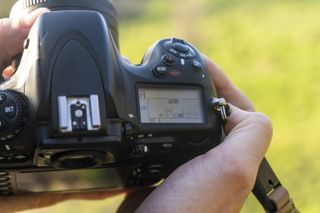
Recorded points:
7,147
131,116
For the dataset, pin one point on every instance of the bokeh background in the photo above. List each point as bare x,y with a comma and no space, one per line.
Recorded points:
270,50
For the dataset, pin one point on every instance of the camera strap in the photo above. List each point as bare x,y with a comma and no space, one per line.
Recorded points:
270,193
267,189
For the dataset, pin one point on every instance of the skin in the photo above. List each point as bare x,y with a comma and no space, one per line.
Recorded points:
13,32
217,181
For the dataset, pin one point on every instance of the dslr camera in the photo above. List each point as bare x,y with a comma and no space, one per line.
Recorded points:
76,116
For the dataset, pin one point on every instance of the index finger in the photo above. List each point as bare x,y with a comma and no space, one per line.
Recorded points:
226,89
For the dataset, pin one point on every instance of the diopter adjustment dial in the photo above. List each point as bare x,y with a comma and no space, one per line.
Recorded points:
13,113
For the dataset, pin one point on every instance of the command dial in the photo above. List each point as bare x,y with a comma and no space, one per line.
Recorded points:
13,113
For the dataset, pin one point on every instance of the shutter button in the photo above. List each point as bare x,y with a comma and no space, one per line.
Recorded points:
180,47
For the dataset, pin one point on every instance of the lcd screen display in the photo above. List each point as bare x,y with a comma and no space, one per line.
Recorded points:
170,105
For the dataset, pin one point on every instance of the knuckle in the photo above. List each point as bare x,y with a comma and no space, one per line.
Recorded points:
262,121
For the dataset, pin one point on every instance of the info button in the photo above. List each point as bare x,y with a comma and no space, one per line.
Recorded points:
9,109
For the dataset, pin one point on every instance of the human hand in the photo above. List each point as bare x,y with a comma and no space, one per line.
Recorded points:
13,32
221,179
224,167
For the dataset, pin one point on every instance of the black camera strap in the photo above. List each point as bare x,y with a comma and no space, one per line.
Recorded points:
268,190
270,193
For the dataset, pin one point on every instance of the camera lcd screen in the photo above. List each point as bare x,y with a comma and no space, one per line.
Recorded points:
170,105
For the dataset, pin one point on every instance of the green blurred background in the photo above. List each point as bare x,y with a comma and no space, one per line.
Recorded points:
270,50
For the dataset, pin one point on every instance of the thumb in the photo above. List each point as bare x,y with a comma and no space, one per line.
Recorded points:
243,126
248,138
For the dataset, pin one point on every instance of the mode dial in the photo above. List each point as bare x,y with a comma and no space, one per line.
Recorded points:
13,113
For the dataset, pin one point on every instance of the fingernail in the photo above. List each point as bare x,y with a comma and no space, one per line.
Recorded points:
7,73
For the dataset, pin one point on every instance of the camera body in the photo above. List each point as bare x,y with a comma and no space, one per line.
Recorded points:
76,116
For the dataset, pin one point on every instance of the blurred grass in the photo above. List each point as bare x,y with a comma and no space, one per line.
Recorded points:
270,49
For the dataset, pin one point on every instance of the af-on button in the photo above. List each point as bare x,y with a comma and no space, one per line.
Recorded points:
20,157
